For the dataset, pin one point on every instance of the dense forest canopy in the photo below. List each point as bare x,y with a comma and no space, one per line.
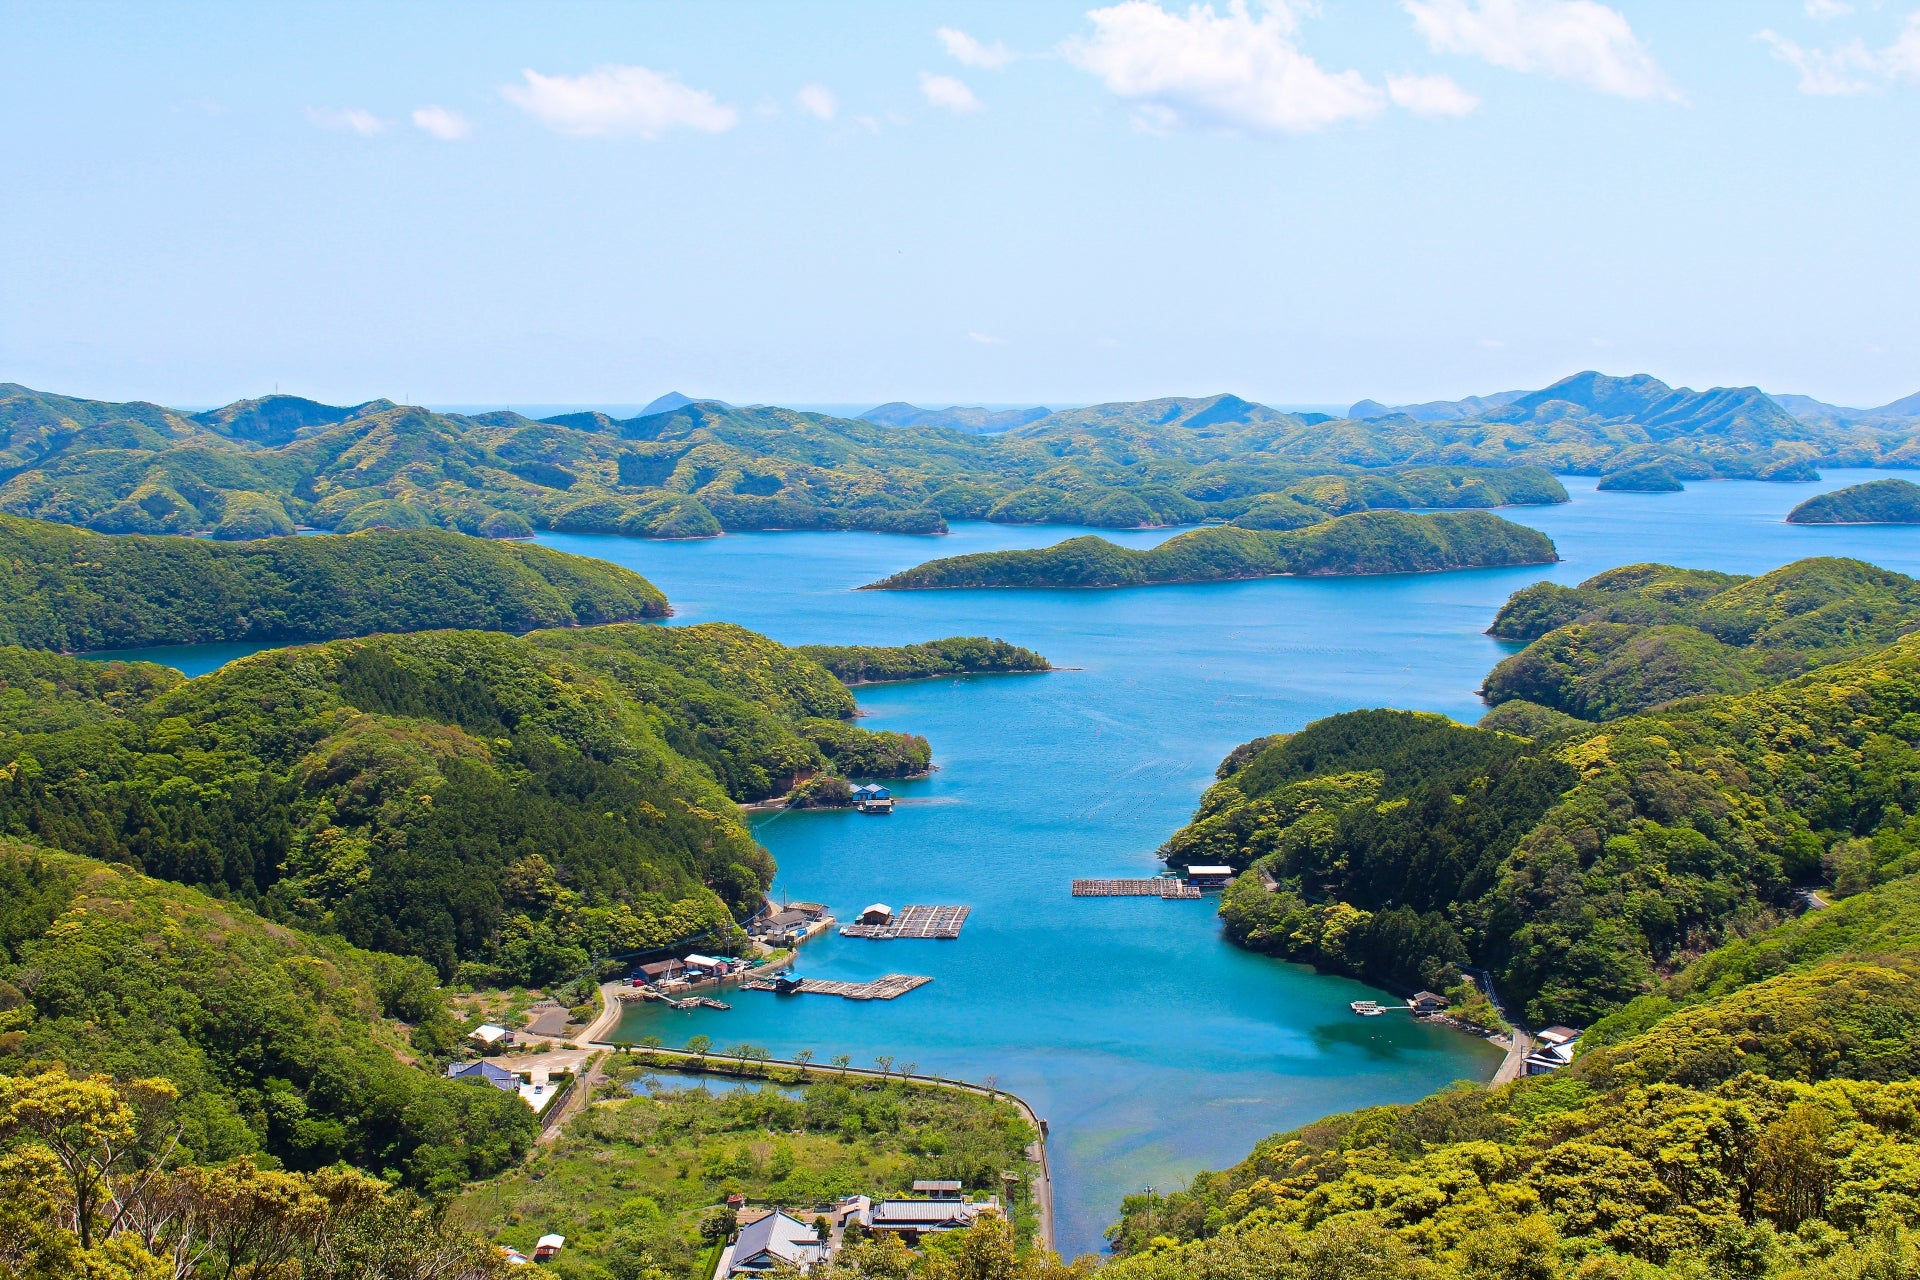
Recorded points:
1875,502
1646,634
70,590
1401,846
955,655
511,804
1366,543
258,467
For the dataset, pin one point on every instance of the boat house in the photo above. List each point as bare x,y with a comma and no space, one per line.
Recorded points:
659,972
1425,1004
873,798
1210,877
878,913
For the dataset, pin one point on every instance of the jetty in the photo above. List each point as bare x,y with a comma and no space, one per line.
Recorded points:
889,986
908,922
1155,887
638,994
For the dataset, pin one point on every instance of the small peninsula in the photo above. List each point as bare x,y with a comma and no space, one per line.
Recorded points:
1875,502
1648,477
954,656
72,590
1374,542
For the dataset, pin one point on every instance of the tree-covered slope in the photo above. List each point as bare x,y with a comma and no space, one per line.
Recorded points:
1638,636
1875,502
1370,543
279,1043
955,655
689,470
518,804
67,589
1578,871
1763,1131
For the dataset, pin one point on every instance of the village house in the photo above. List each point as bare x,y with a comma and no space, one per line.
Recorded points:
1425,1004
1210,877
787,925
489,1034
547,1246
1553,1049
484,1072
770,1244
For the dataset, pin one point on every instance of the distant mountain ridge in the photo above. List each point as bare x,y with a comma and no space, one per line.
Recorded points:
974,418
695,468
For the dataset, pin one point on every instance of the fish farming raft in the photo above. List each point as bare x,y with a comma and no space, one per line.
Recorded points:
913,922
886,987
1156,887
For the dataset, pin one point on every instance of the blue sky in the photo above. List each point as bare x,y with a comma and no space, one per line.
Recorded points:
1034,202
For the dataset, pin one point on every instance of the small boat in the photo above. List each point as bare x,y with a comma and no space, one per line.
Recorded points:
1367,1008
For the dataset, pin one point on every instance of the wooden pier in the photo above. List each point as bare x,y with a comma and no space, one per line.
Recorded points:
887,987
1157,887
914,922
691,1002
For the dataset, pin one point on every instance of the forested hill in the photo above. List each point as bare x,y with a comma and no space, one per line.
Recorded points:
1753,1119
1578,870
70,590
501,807
279,1043
1637,636
1370,543
1875,502
953,656
691,469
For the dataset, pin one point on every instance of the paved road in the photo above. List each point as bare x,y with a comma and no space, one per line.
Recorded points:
1514,1065
1043,1174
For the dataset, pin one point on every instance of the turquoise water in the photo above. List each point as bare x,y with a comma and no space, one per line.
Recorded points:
1152,1047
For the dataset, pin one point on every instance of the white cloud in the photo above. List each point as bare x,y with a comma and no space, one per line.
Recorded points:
1851,67
969,52
985,339
448,126
1847,68
1213,69
1430,95
1578,40
948,92
618,100
347,119
817,100
1825,9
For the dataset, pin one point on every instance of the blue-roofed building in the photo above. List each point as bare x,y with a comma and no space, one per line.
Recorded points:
484,1072
873,798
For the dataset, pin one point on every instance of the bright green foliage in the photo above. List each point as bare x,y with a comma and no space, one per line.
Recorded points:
1576,870
1648,477
278,1042
1759,1117
1642,635
252,468
1377,542
956,655
1875,502
66,589
632,1176
521,804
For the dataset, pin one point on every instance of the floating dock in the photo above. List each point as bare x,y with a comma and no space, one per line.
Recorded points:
691,1002
1157,887
914,922
887,987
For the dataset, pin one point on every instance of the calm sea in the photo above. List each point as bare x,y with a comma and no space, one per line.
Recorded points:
1153,1048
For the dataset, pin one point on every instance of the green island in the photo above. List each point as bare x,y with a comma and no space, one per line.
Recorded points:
1638,636
1875,502
1363,543
855,664
1648,477
70,590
